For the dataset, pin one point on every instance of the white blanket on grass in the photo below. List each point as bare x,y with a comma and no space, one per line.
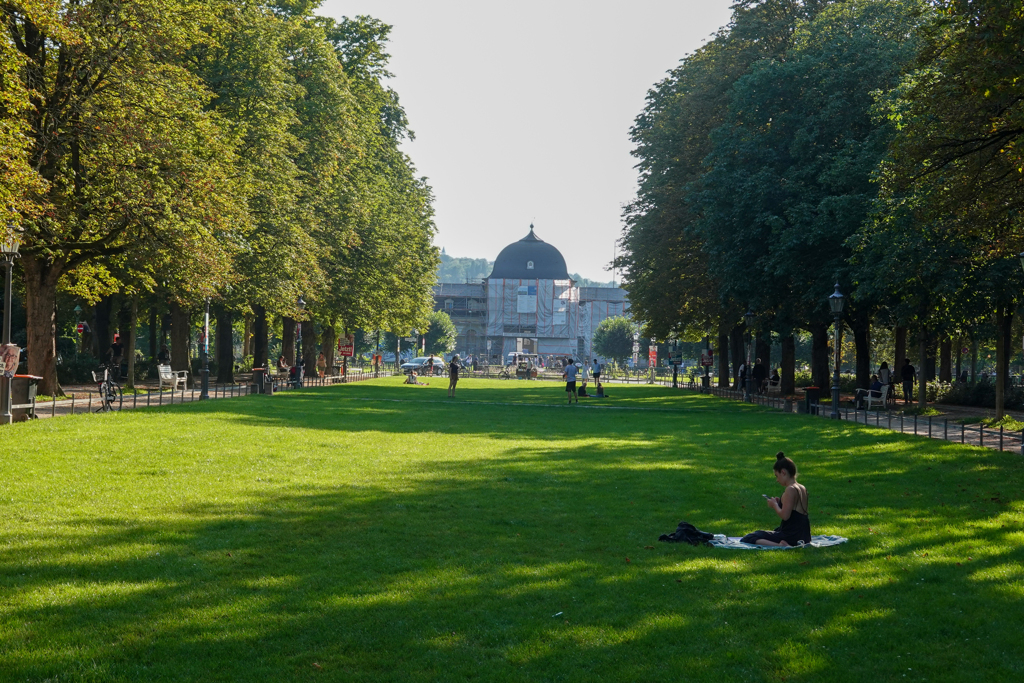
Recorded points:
734,543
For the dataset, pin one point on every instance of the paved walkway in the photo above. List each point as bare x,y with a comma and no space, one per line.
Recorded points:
85,399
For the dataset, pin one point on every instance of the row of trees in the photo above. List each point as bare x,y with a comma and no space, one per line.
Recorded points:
871,142
170,151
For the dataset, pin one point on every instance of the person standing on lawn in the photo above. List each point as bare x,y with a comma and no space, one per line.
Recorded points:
570,381
907,374
453,375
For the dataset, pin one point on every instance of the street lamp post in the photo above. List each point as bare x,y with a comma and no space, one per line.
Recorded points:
204,393
749,384
836,302
705,384
301,304
8,252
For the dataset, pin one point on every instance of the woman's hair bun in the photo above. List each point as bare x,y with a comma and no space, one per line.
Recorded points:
780,455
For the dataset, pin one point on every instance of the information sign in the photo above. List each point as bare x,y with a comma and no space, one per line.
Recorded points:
707,358
652,355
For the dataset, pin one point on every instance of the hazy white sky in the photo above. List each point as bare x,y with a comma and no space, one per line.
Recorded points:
522,111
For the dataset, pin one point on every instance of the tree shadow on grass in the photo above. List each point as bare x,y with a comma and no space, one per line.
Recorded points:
512,567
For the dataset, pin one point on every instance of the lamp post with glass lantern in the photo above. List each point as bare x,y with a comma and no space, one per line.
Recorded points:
836,302
204,393
748,317
8,252
301,304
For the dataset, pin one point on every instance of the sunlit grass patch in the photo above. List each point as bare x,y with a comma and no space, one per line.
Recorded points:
386,532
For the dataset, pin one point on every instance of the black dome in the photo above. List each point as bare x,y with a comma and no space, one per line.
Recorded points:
531,258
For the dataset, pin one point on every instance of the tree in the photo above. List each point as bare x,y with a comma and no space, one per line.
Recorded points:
129,166
440,336
954,177
613,338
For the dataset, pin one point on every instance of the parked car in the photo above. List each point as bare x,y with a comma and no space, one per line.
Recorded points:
419,364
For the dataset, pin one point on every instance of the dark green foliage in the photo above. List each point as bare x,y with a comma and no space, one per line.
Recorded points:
440,336
613,338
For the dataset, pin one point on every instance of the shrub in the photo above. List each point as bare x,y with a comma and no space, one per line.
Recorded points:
982,395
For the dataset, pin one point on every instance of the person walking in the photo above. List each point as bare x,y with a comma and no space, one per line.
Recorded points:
570,381
321,365
907,374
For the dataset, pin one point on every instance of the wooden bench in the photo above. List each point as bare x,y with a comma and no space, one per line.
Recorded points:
175,378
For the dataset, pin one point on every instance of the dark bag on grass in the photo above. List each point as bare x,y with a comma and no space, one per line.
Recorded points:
687,533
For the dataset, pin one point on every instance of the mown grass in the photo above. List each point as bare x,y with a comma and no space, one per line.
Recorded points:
379,532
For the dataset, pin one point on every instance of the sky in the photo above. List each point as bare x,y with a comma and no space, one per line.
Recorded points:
522,111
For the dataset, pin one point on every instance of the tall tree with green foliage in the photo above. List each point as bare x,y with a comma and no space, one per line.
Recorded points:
124,160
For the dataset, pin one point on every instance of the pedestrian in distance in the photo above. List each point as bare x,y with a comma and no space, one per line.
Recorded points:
570,381
453,375
907,374
595,370
116,353
321,365
760,375
430,365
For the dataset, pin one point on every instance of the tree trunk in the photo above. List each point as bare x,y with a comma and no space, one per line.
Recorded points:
247,335
153,350
288,340
763,349
922,370
974,361
180,333
329,344
259,339
788,386
862,342
736,351
309,350
1004,320
101,335
819,356
41,312
133,324
946,360
225,347
959,357
901,348
723,358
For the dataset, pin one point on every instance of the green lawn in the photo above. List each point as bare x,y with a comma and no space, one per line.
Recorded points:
379,532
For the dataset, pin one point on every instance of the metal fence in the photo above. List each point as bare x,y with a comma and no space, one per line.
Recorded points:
944,429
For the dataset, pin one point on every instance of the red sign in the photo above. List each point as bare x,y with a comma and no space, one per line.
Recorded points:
347,346
707,358
80,328
652,356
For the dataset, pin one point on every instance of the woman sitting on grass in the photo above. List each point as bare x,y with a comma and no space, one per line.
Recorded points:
791,508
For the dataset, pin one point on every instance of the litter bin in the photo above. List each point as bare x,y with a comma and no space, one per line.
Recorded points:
23,397
262,383
811,397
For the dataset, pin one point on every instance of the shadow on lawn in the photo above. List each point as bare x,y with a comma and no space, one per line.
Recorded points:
499,571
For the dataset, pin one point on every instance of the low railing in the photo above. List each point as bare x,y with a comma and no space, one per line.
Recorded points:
958,432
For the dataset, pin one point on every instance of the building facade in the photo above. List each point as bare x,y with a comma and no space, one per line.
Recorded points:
527,303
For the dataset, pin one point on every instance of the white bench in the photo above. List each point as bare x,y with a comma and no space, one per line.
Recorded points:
775,387
880,399
175,378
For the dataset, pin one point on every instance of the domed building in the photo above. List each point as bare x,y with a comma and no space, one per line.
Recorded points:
527,303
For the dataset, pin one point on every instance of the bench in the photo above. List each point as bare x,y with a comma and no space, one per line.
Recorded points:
880,400
174,378
775,387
